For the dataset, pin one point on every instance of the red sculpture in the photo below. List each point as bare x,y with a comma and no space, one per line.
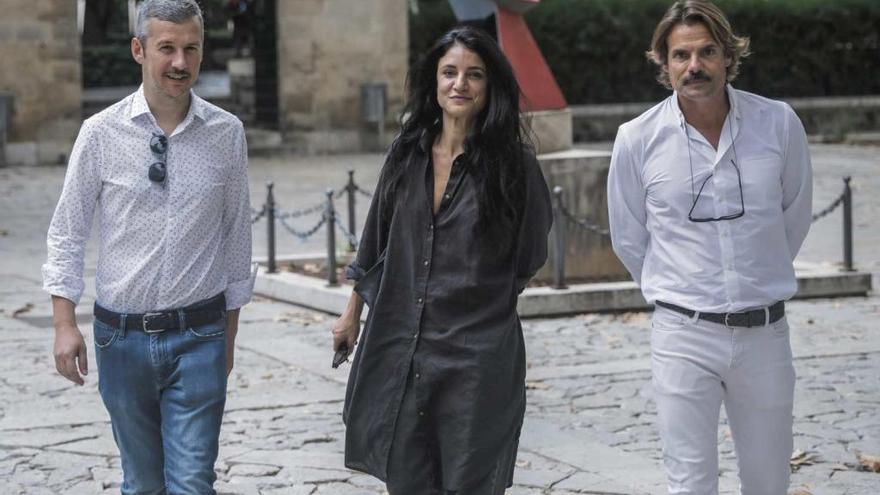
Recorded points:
539,87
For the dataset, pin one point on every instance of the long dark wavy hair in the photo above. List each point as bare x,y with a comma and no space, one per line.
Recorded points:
495,144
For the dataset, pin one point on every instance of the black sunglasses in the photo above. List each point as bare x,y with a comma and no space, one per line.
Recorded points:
696,197
732,216
159,147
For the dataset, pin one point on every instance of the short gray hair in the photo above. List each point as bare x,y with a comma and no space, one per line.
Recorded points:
176,11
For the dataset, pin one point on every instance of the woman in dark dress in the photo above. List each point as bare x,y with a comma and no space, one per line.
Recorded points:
457,227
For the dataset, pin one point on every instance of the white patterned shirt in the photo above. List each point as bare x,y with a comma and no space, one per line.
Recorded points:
161,246
724,266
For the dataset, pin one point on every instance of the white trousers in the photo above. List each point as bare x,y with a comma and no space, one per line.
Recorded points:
697,365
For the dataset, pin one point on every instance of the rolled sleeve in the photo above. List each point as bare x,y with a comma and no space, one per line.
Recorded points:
237,223
374,236
72,221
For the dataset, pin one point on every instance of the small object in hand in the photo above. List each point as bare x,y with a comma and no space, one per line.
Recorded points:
341,355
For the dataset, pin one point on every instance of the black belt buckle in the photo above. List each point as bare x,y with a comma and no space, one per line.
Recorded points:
149,318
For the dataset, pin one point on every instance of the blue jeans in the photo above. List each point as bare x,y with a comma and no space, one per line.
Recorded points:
165,393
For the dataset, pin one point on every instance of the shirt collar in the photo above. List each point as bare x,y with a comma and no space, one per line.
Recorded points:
676,116
140,107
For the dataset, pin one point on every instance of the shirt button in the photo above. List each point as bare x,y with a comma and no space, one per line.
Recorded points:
418,375
421,413
431,227
446,196
420,300
426,262
415,335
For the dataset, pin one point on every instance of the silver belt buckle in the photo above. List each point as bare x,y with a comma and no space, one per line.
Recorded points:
147,317
727,320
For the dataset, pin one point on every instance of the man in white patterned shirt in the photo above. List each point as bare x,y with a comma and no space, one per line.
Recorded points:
709,198
167,173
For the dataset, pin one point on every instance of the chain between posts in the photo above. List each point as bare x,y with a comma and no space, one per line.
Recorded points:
329,217
561,213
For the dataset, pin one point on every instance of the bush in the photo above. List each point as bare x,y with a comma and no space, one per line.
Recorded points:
595,48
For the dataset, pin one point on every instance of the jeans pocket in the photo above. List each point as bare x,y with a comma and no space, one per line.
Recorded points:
780,326
666,319
210,331
105,335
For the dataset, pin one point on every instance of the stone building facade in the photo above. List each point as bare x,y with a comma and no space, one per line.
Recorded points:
326,50
40,66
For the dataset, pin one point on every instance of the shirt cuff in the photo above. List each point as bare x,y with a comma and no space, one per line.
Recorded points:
58,284
354,272
239,293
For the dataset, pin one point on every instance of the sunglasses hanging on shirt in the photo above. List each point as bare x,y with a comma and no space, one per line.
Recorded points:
159,147
696,196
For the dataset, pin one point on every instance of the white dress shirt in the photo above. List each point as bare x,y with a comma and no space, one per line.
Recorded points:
161,246
724,266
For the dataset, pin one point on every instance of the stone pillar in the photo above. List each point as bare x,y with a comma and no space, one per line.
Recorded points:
40,65
326,50
241,88
582,174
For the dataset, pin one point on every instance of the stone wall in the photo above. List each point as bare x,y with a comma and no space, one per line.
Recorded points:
326,50
40,66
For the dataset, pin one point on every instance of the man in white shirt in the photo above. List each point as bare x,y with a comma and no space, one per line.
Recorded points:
167,173
709,198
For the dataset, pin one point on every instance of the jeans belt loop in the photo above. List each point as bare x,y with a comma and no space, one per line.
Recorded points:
181,318
122,318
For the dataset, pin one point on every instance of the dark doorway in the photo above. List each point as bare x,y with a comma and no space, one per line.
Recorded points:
266,64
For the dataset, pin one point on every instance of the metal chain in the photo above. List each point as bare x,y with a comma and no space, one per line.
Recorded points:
348,235
305,234
300,213
256,215
585,224
365,193
828,209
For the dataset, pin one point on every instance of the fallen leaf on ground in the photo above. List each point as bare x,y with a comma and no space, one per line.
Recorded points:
522,463
800,491
24,309
800,458
869,462
839,467
536,385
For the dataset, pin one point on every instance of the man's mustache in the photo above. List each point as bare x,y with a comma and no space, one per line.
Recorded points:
696,77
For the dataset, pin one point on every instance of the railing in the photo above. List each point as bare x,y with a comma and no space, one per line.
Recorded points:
329,218
562,216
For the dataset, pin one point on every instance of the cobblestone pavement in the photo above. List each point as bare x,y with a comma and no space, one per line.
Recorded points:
589,425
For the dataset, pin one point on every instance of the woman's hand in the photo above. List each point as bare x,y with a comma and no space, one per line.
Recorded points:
346,331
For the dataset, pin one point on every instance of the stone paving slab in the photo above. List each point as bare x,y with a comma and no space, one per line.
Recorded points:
588,382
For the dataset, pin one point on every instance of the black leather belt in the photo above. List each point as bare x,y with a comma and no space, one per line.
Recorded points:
194,315
748,319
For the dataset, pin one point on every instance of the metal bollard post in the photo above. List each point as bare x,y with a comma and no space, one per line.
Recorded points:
270,225
351,188
847,227
558,240
331,240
